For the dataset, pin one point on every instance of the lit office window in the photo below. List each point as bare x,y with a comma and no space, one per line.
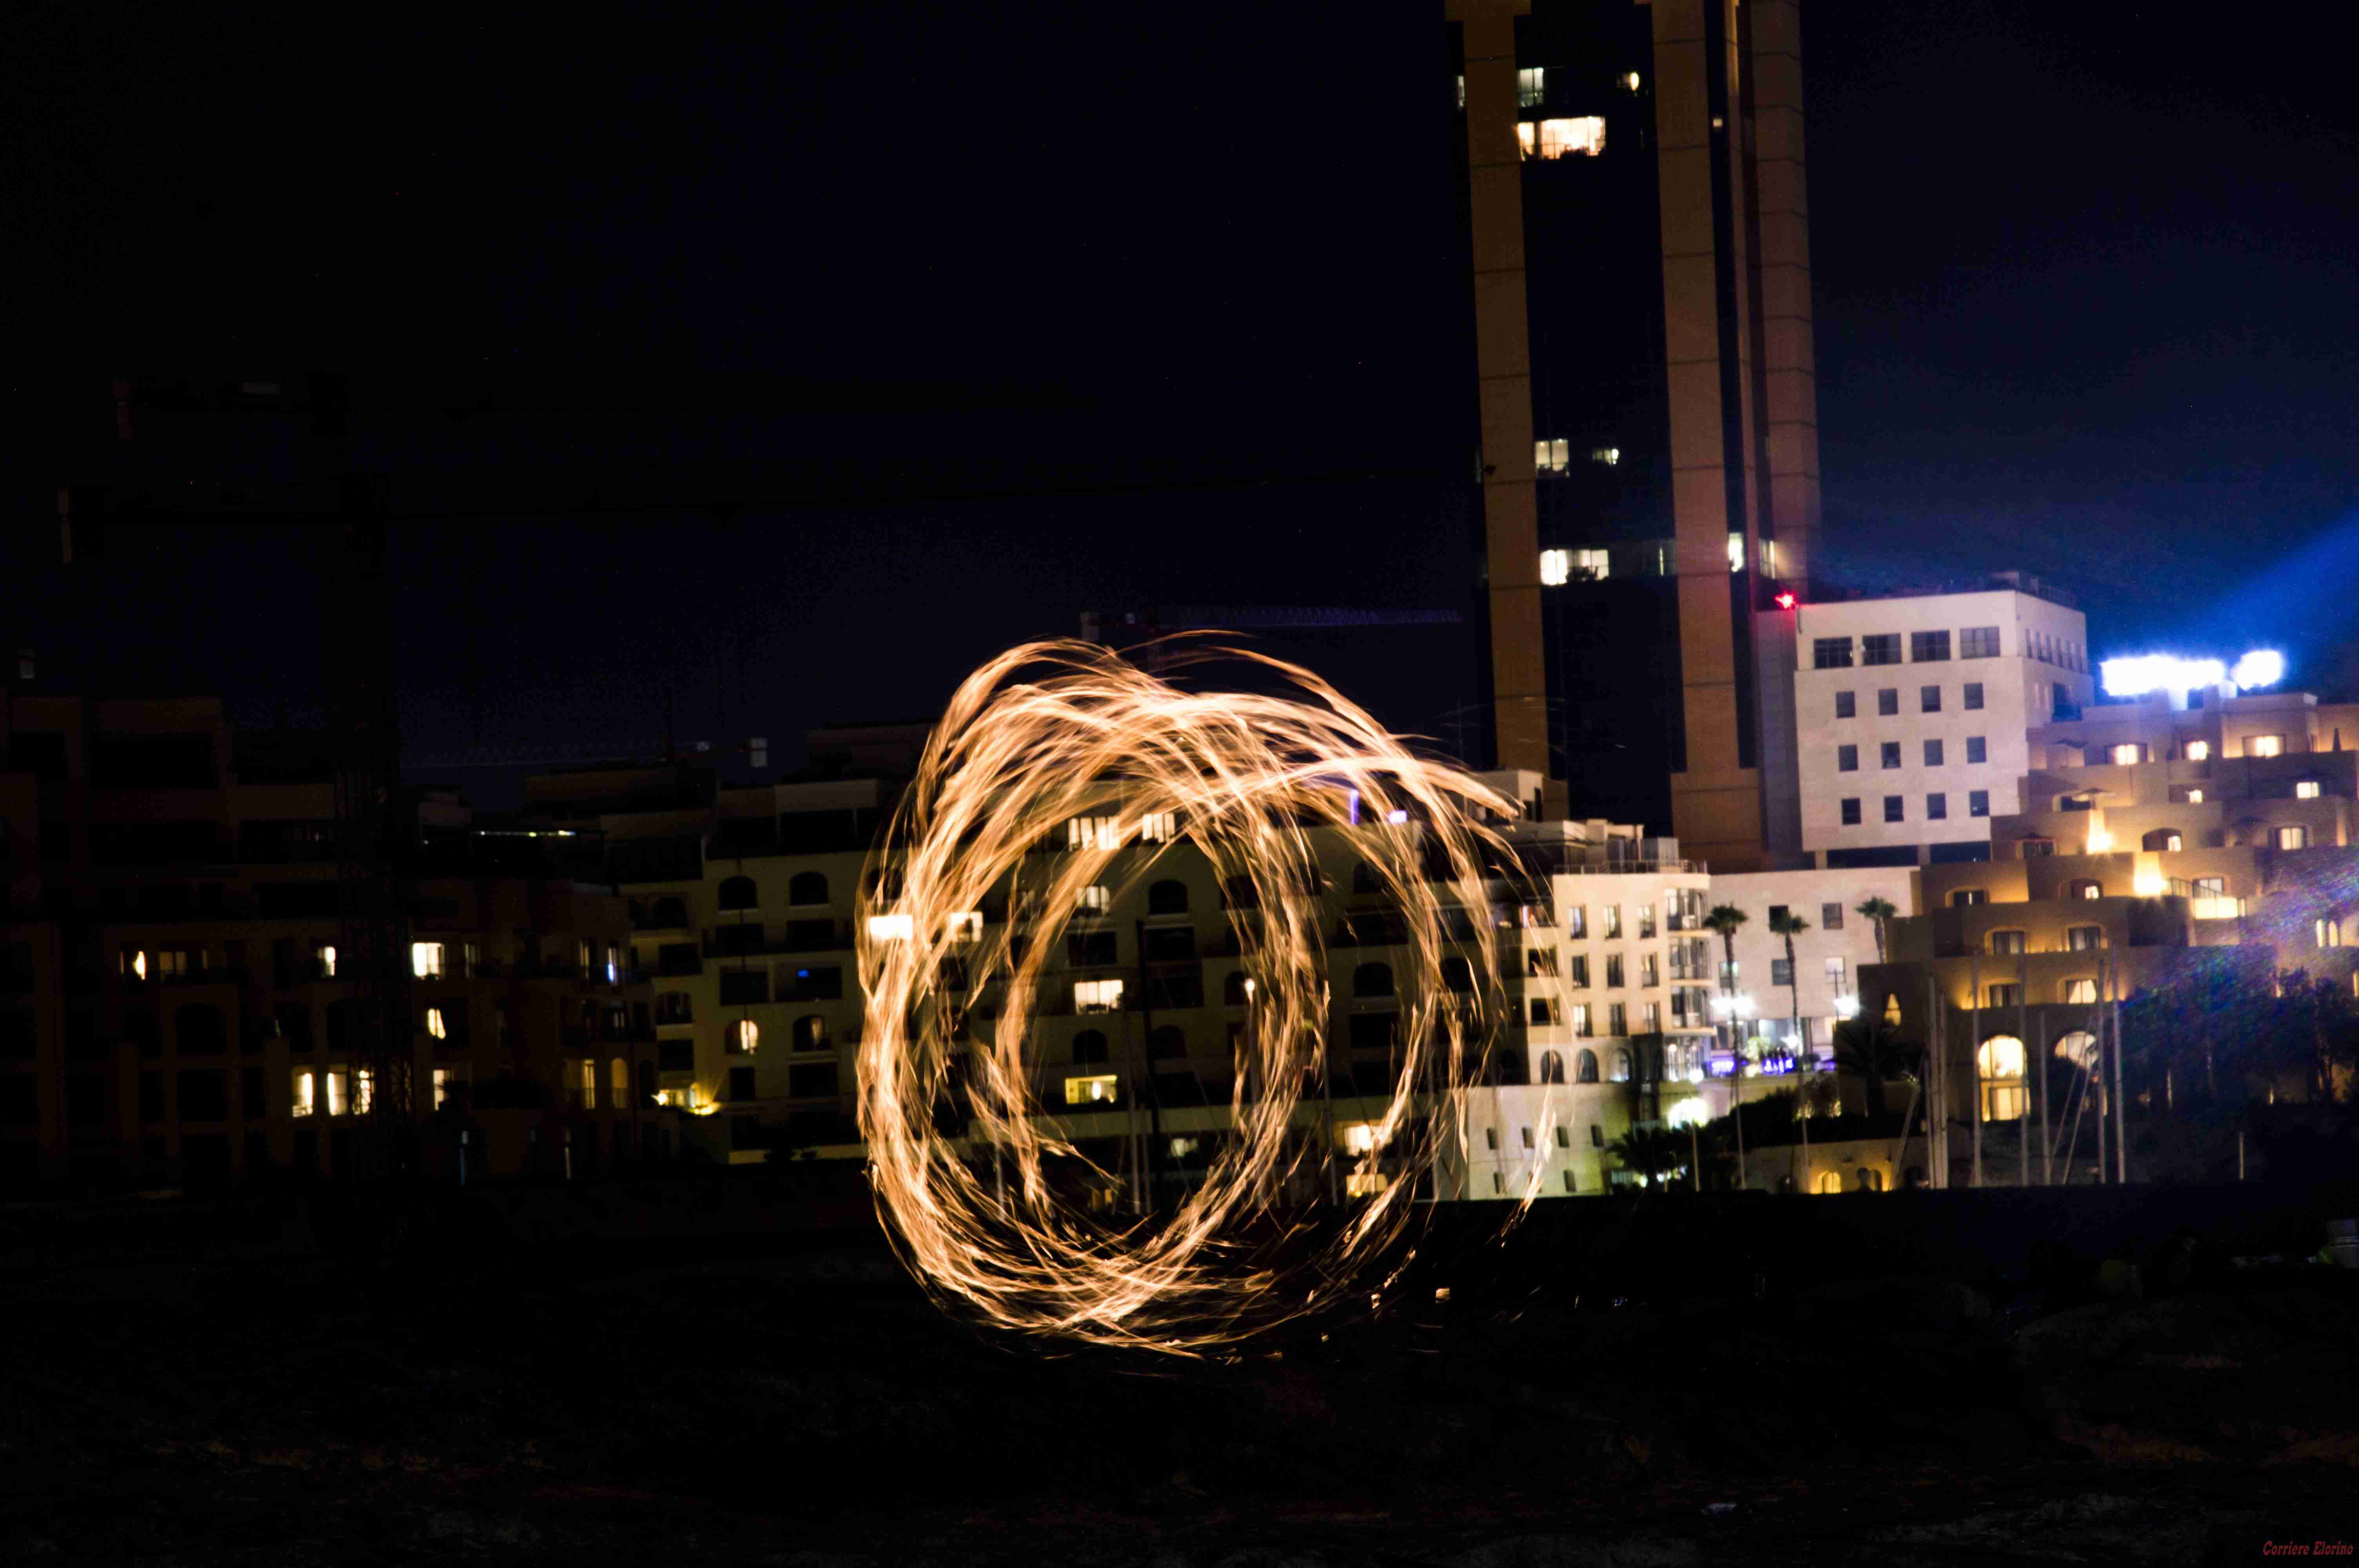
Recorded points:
2126,753
1735,551
1099,1089
2195,797
2198,750
1094,899
1553,456
1556,568
327,956
1590,564
889,927
426,961
1551,139
966,929
2293,838
2081,992
302,1102
335,1094
1531,86
1093,833
1158,827
1609,456
1097,996
2306,789
2265,746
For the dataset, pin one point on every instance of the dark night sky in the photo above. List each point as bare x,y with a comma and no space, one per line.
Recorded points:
2085,278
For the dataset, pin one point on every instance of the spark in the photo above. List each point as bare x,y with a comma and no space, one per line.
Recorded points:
1256,785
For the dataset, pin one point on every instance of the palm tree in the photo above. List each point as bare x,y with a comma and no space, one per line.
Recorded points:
1789,926
1650,1151
1874,1050
1879,911
1725,918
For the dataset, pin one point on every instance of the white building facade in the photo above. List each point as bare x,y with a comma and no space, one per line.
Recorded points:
1912,712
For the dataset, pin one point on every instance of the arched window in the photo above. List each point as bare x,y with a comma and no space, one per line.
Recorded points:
1584,1067
2084,887
1169,896
1551,1066
2164,840
1166,1042
807,887
1621,1067
1234,992
200,1030
1830,1182
2079,1048
810,1033
1373,979
738,893
1089,1046
1999,1064
744,1035
1457,975
669,914
1870,1180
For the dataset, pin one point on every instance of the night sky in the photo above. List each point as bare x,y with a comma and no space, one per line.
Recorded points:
758,371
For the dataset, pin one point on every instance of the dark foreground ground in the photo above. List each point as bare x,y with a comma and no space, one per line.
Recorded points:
796,1405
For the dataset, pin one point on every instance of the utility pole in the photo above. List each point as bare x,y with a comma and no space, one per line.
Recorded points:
2121,1128
2023,1042
1975,1045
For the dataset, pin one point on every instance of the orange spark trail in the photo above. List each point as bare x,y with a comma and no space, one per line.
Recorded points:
1057,730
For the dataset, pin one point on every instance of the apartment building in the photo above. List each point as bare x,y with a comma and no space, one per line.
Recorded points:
1822,987
2149,832
175,1011
1913,713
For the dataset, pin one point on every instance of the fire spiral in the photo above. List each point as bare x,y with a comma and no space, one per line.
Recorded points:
1062,774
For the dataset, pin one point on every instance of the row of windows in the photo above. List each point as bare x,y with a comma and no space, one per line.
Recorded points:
1937,807
1887,701
1934,647
1935,754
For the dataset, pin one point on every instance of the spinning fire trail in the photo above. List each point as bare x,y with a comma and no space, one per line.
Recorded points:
1052,732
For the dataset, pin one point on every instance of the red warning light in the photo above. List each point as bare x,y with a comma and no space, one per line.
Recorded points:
1785,601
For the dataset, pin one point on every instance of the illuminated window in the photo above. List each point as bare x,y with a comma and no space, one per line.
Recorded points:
2007,942
889,927
1651,1011
1580,1024
444,1080
1556,568
1576,920
2198,750
434,1024
2264,745
300,1102
2126,753
1613,927
1098,1088
1621,1067
1735,551
1978,642
2000,1064
335,1094
1892,1008
1632,81
134,964
426,961
171,964
1608,456
1553,456
2163,840
1158,827
966,928
744,1037
1553,140
2292,838
2307,789
1093,833
2195,797
1097,996
2081,991
1461,89
327,956
1967,898
1592,564
1531,86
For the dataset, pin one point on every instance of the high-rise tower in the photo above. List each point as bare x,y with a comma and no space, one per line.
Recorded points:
1639,256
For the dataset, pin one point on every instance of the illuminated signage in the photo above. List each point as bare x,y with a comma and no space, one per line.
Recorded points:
2161,672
